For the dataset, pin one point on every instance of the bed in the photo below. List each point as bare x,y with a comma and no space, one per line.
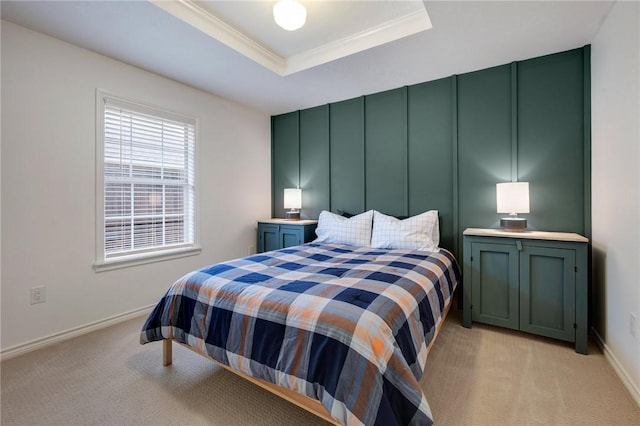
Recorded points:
340,330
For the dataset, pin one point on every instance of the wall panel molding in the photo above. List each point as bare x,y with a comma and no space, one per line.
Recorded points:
315,163
586,56
285,158
347,153
444,145
386,173
454,149
514,122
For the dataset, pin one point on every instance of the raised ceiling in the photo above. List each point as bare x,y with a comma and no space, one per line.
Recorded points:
346,49
334,29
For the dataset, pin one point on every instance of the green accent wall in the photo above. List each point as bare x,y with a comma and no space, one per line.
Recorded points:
314,161
346,142
431,152
285,158
444,144
386,152
484,145
551,140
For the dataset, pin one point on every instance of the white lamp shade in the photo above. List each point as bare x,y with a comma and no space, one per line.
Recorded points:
292,198
289,14
512,197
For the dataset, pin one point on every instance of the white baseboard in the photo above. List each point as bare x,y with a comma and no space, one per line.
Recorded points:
618,368
33,345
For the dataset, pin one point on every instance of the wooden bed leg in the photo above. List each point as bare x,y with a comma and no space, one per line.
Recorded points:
167,354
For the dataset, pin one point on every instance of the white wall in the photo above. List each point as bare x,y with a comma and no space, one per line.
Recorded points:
615,68
48,184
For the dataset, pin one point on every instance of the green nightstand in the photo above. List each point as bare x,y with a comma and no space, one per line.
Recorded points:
530,281
275,234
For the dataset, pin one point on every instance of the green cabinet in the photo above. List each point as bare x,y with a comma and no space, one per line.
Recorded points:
275,234
531,281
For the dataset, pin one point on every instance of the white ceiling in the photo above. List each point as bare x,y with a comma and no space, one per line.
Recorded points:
332,58
335,29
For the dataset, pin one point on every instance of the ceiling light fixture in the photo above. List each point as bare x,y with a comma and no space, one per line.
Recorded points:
289,14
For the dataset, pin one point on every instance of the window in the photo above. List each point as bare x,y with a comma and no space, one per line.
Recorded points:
146,190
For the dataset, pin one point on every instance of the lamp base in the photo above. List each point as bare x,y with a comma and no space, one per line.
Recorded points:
292,215
513,224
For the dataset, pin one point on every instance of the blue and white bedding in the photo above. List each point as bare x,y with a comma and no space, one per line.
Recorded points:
347,326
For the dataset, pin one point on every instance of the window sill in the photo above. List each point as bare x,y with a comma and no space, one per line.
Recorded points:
135,260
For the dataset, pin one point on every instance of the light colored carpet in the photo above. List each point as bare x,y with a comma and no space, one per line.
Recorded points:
492,376
481,376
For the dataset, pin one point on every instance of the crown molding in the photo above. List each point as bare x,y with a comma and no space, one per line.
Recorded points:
386,32
194,15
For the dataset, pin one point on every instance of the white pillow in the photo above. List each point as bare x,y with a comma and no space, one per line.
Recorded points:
354,231
419,232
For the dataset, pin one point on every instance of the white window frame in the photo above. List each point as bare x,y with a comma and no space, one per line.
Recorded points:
104,262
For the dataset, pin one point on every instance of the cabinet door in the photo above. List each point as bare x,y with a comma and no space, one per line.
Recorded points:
268,237
494,284
547,292
290,236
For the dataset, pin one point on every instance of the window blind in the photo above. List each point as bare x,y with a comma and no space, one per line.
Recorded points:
148,180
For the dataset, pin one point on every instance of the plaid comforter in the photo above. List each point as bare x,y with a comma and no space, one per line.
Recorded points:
344,325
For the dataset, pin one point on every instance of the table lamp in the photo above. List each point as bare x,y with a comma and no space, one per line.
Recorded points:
513,198
293,202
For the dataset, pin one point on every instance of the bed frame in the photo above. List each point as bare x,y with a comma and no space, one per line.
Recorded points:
309,404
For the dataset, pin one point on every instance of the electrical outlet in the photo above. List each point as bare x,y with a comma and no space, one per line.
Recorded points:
38,295
632,324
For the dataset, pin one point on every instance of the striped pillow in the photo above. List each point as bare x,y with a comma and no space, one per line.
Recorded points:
354,231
